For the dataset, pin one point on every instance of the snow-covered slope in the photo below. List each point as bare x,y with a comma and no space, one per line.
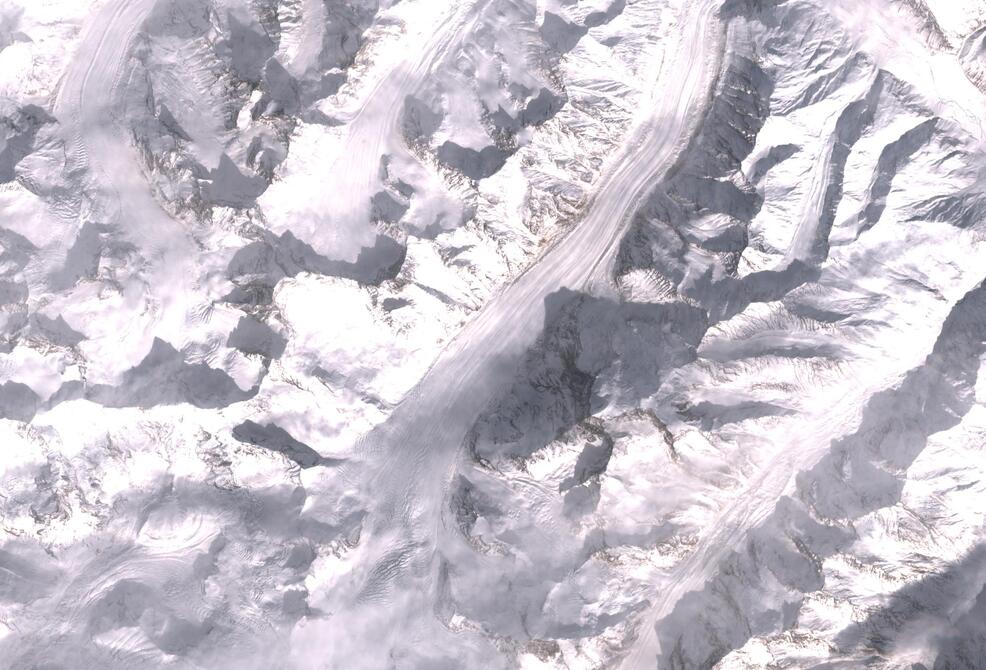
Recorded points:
492,333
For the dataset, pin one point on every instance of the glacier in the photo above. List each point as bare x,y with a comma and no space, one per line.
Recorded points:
545,334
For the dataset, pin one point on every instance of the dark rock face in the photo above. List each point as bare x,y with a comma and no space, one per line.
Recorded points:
18,129
585,337
18,401
255,337
275,438
473,164
559,34
165,378
257,267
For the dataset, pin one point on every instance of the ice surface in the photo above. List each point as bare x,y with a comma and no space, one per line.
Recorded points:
492,334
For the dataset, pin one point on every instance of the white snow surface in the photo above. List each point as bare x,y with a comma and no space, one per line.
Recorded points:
492,334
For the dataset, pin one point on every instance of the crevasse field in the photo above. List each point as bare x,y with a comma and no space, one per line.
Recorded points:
492,334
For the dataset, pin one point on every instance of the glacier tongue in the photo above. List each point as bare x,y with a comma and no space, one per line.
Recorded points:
492,334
